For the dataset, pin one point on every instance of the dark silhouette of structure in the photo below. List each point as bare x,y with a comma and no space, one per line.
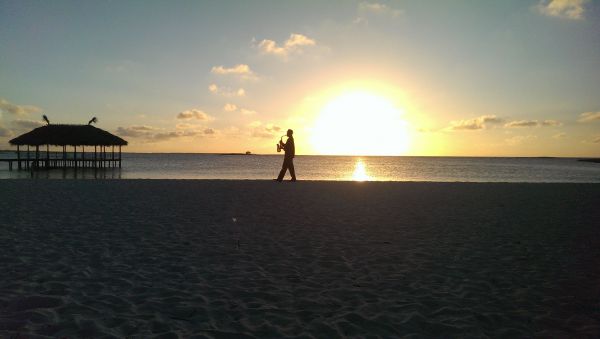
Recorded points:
288,158
68,135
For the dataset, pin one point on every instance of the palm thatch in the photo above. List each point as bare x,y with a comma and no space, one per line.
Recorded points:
68,135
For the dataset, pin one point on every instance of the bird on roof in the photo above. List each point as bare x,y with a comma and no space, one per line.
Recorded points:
46,119
93,121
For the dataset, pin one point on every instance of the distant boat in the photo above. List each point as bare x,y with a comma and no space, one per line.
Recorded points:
248,152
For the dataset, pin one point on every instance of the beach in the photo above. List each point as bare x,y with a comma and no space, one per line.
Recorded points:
235,258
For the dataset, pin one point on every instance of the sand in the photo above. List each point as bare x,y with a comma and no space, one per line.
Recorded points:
217,259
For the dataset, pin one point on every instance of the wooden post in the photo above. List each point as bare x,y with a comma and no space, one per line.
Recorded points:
27,165
119,156
75,156
82,156
37,156
47,156
64,164
113,156
95,157
18,157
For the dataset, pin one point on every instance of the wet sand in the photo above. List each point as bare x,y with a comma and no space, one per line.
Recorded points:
326,259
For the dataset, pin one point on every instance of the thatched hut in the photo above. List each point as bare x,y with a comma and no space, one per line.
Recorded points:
69,135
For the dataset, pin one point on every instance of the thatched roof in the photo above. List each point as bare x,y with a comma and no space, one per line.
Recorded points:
64,135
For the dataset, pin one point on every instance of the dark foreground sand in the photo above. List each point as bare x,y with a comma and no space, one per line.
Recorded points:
232,258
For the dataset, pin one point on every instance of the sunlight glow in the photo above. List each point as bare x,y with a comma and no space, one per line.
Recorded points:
360,123
360,173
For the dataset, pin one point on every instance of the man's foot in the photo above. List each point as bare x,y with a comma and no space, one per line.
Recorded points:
294,179
277,180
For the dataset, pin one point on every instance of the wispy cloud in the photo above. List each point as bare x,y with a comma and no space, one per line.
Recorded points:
150,134
14,109
478,123
259,130
294,44
589,117
566,9
241,70
234,108
378,8
551,123
136,131
246,111
226,91
26,124
519,139
533,123
230,107
194,114
561,135
5,132
522,123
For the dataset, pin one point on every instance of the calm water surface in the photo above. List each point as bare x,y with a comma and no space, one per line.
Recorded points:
214,166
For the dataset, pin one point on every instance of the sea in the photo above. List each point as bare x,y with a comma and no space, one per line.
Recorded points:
339,168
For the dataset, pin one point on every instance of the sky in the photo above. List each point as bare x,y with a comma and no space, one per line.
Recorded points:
430,78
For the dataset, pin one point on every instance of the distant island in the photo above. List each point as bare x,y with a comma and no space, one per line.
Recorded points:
596,160
247,153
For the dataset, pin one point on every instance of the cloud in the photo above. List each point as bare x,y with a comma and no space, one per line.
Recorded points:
559,135
209,131
522,123
235,108
27,124
245,111
589,116
596,140
230,107
226,91
474,124
533,123
10,108
377,8
263,131
566,9
136,131
154,134
242,70
519,139
294,44
194,114
552,123
5,132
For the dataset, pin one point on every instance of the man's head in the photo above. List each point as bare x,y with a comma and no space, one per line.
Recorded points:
290,133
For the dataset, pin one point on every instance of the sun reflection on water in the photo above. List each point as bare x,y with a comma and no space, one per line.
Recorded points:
360,172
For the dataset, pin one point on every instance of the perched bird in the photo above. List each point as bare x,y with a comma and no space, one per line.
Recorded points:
93,121
46,119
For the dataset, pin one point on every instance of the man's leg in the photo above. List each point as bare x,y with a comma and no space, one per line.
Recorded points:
292,171
283,169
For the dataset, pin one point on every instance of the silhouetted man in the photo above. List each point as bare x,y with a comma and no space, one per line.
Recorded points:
288,159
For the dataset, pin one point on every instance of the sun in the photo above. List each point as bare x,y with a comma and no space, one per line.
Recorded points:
360,123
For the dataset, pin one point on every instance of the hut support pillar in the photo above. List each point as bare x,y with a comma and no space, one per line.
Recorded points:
119,156
27,164
47,156
113,156
18,157
95,157
37,156
75,156
82,156
64,159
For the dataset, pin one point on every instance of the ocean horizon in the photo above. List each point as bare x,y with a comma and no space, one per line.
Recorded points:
234,166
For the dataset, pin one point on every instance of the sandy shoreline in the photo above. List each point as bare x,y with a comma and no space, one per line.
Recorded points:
327,259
